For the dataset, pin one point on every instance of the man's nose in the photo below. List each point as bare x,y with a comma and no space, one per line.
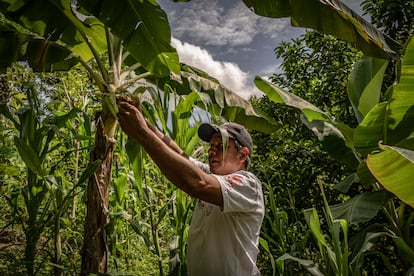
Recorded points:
213,150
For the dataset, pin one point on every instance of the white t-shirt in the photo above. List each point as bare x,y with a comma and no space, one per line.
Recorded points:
224,241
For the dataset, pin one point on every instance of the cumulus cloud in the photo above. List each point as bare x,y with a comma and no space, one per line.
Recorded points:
210,24
229,74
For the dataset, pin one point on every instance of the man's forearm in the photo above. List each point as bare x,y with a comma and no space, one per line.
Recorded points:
180,170
167,140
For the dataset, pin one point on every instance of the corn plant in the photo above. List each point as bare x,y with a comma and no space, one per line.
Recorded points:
333,248
46,186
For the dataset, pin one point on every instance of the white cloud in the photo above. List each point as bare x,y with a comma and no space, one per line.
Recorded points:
214,23
229,74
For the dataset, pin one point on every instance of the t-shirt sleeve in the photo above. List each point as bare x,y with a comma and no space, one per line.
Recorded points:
242,192
200,164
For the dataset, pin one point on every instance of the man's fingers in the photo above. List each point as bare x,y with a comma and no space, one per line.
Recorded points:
125,106
135,102
129,99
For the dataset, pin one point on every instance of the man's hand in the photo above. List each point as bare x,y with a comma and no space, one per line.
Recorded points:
130,117
130,99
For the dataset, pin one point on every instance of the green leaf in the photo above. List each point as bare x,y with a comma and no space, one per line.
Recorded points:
365,177
55,21
312,219
361,208
278,95
144,30
308,264
330,17
136,226
135,156
61,120
89,171
28,156
371,130
41,54
406,250
394,170
401,105
120,186
265,245
337,142
364,241
218,100
364,86
345,184
337,135
4,109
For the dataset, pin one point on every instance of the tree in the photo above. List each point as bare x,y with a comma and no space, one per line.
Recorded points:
393,17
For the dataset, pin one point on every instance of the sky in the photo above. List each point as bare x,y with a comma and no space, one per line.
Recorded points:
228,41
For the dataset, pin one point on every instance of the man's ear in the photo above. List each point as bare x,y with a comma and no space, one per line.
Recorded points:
244,152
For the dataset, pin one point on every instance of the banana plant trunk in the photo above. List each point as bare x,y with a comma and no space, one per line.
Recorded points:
95,248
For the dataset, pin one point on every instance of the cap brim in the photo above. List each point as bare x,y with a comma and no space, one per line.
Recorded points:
205,131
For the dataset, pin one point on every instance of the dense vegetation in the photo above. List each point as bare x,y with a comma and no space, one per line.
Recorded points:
50,122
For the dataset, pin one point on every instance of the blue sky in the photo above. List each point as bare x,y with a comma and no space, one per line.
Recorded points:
228,41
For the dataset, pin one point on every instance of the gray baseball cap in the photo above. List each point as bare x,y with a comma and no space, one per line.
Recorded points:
234,130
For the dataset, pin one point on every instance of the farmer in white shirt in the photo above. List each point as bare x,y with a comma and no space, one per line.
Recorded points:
225,227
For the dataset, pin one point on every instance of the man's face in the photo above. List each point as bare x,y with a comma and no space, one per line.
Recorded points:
232,159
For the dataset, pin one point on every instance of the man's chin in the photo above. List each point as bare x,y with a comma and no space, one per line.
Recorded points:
214,167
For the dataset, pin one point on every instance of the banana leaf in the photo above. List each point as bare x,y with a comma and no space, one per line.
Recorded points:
394,169
330,17
142,25
337,138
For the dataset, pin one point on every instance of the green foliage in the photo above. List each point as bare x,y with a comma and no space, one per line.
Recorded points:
393,17
36,186
40,169
310,66
390,165
289,186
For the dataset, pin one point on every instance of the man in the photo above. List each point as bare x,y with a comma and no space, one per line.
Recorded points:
225,227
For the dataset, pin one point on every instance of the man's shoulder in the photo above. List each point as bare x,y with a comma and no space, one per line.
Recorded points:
249,175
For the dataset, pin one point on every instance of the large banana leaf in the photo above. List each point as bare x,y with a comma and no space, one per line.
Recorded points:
337,138
394,166
54,21
330,17
394,169
219,100
142,26
144,29
42,55
371,130
401,104
364,87
361,208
